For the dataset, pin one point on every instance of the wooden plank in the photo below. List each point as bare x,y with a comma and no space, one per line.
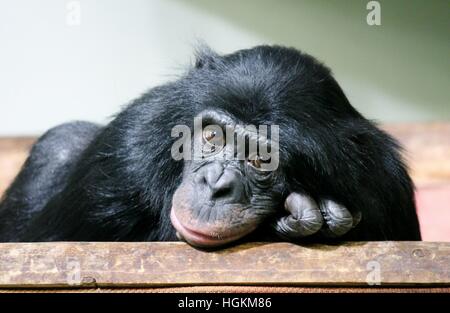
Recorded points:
233,289
158,264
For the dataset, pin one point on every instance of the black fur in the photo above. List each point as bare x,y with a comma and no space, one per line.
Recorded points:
87,182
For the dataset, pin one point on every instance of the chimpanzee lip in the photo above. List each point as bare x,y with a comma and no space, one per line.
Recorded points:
201,239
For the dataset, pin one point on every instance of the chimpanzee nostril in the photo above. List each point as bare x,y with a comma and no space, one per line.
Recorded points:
221,192
223,187
224,184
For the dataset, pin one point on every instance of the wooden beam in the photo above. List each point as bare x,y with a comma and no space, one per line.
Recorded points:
175,264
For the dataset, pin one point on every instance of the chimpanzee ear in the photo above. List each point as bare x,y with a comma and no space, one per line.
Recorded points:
205,57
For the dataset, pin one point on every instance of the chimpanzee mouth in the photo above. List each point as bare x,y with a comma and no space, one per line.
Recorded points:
201,239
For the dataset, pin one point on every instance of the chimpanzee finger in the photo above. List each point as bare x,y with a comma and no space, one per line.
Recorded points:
304,219
338,219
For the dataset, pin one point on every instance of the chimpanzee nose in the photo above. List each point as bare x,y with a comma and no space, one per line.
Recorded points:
224,183
211,173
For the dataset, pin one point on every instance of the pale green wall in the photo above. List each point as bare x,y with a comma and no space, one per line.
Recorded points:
51,72
398,71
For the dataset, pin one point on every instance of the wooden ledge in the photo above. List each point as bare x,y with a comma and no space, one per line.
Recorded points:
175,264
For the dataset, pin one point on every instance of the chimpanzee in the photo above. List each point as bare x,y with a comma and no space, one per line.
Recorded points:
337,176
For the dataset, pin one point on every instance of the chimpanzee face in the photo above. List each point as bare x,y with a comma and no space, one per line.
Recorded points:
230,186
233,185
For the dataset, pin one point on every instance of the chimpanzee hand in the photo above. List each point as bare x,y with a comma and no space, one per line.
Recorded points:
307,218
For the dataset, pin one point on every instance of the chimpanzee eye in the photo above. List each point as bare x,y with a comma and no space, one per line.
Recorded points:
213,140
209,134
257,162
213,137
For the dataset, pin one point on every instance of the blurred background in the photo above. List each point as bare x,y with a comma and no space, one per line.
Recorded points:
84,60
68,60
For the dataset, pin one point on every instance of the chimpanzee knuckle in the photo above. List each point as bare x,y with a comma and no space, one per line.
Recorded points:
287,228
285,225
304,219
292,227
312,219
338,219
297,203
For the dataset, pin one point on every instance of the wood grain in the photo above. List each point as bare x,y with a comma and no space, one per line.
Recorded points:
157,264
233,289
